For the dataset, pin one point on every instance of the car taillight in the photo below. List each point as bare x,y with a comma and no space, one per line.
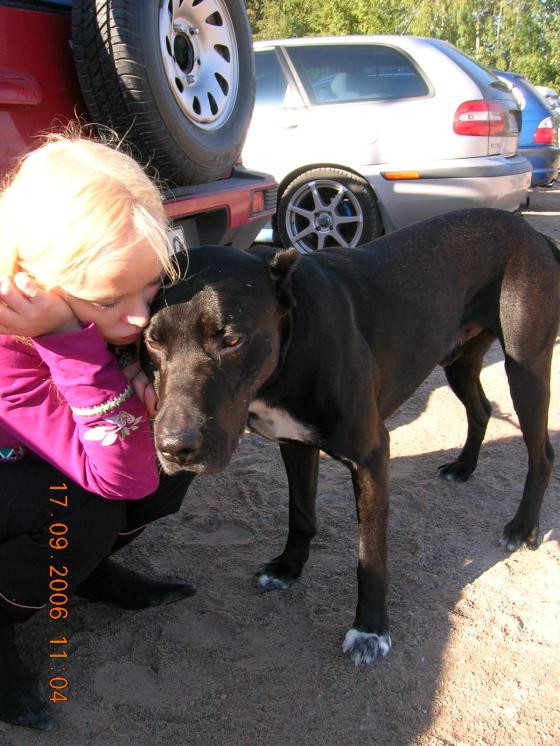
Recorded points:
545,133
481,119
258,204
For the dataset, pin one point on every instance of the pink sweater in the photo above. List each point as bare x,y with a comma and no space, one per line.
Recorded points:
57,399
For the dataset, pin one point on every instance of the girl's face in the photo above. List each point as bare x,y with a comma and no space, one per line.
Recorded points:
117,295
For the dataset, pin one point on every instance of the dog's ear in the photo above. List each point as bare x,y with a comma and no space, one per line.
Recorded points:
281,268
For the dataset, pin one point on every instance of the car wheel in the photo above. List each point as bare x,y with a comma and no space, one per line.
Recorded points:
327,207
174,78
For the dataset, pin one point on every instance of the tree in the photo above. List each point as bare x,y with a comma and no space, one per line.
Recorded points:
519,35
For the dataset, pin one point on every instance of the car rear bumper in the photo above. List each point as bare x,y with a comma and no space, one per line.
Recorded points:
545,161
451,185
229,211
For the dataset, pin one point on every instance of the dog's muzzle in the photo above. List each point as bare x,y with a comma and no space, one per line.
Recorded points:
180,448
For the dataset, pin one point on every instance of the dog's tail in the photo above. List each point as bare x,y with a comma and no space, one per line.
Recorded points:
554,245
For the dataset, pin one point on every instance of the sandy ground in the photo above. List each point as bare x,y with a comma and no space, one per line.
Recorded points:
476,632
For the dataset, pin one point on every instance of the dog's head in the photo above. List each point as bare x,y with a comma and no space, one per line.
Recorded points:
214,339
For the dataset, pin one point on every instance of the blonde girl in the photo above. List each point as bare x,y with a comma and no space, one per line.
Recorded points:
83,249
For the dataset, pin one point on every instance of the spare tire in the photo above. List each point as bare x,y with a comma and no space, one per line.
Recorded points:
174,78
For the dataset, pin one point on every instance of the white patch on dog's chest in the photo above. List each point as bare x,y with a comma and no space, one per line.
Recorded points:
277,424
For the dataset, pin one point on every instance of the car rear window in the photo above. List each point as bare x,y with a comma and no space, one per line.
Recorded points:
484,78
355,72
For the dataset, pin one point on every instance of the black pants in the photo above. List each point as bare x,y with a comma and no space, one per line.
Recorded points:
34,530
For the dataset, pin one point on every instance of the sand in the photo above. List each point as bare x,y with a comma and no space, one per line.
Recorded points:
476,632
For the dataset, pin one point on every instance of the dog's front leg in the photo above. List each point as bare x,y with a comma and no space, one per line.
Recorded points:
369,639
302,467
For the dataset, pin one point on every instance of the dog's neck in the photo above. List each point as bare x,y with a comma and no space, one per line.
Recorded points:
286,332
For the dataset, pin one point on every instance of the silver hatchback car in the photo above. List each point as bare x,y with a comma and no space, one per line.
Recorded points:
368,134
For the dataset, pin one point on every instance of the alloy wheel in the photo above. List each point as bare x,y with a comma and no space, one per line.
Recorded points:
323,213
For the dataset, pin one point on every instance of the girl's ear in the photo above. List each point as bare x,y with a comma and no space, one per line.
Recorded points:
281,267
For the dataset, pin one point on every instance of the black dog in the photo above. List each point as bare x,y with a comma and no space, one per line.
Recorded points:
317,351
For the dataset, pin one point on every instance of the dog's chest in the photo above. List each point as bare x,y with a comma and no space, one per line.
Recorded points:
277,424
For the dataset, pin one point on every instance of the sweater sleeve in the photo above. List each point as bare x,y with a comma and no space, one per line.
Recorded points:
66,399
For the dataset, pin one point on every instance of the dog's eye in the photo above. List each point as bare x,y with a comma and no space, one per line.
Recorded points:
231,340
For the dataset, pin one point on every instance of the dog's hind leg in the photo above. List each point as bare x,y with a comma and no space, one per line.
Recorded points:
529,317
530,392
463,376
302,467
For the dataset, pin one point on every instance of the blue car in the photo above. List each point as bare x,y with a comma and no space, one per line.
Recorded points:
539,139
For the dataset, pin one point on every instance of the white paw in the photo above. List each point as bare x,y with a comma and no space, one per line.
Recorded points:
509,545
272,584
366,647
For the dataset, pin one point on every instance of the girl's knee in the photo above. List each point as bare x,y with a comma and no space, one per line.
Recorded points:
97,518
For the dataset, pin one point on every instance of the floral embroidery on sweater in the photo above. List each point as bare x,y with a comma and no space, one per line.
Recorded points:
114,425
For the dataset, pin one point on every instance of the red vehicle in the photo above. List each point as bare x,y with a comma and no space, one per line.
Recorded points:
175,80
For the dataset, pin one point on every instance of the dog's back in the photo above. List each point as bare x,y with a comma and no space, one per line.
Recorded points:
408,295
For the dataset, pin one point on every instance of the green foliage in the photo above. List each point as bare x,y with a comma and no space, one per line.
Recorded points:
519,35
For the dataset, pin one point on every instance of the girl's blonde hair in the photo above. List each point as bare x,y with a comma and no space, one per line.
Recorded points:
74,204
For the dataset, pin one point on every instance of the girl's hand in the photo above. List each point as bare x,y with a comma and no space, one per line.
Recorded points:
142,387
28,311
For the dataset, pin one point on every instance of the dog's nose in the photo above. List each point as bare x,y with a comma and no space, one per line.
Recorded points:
180,447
